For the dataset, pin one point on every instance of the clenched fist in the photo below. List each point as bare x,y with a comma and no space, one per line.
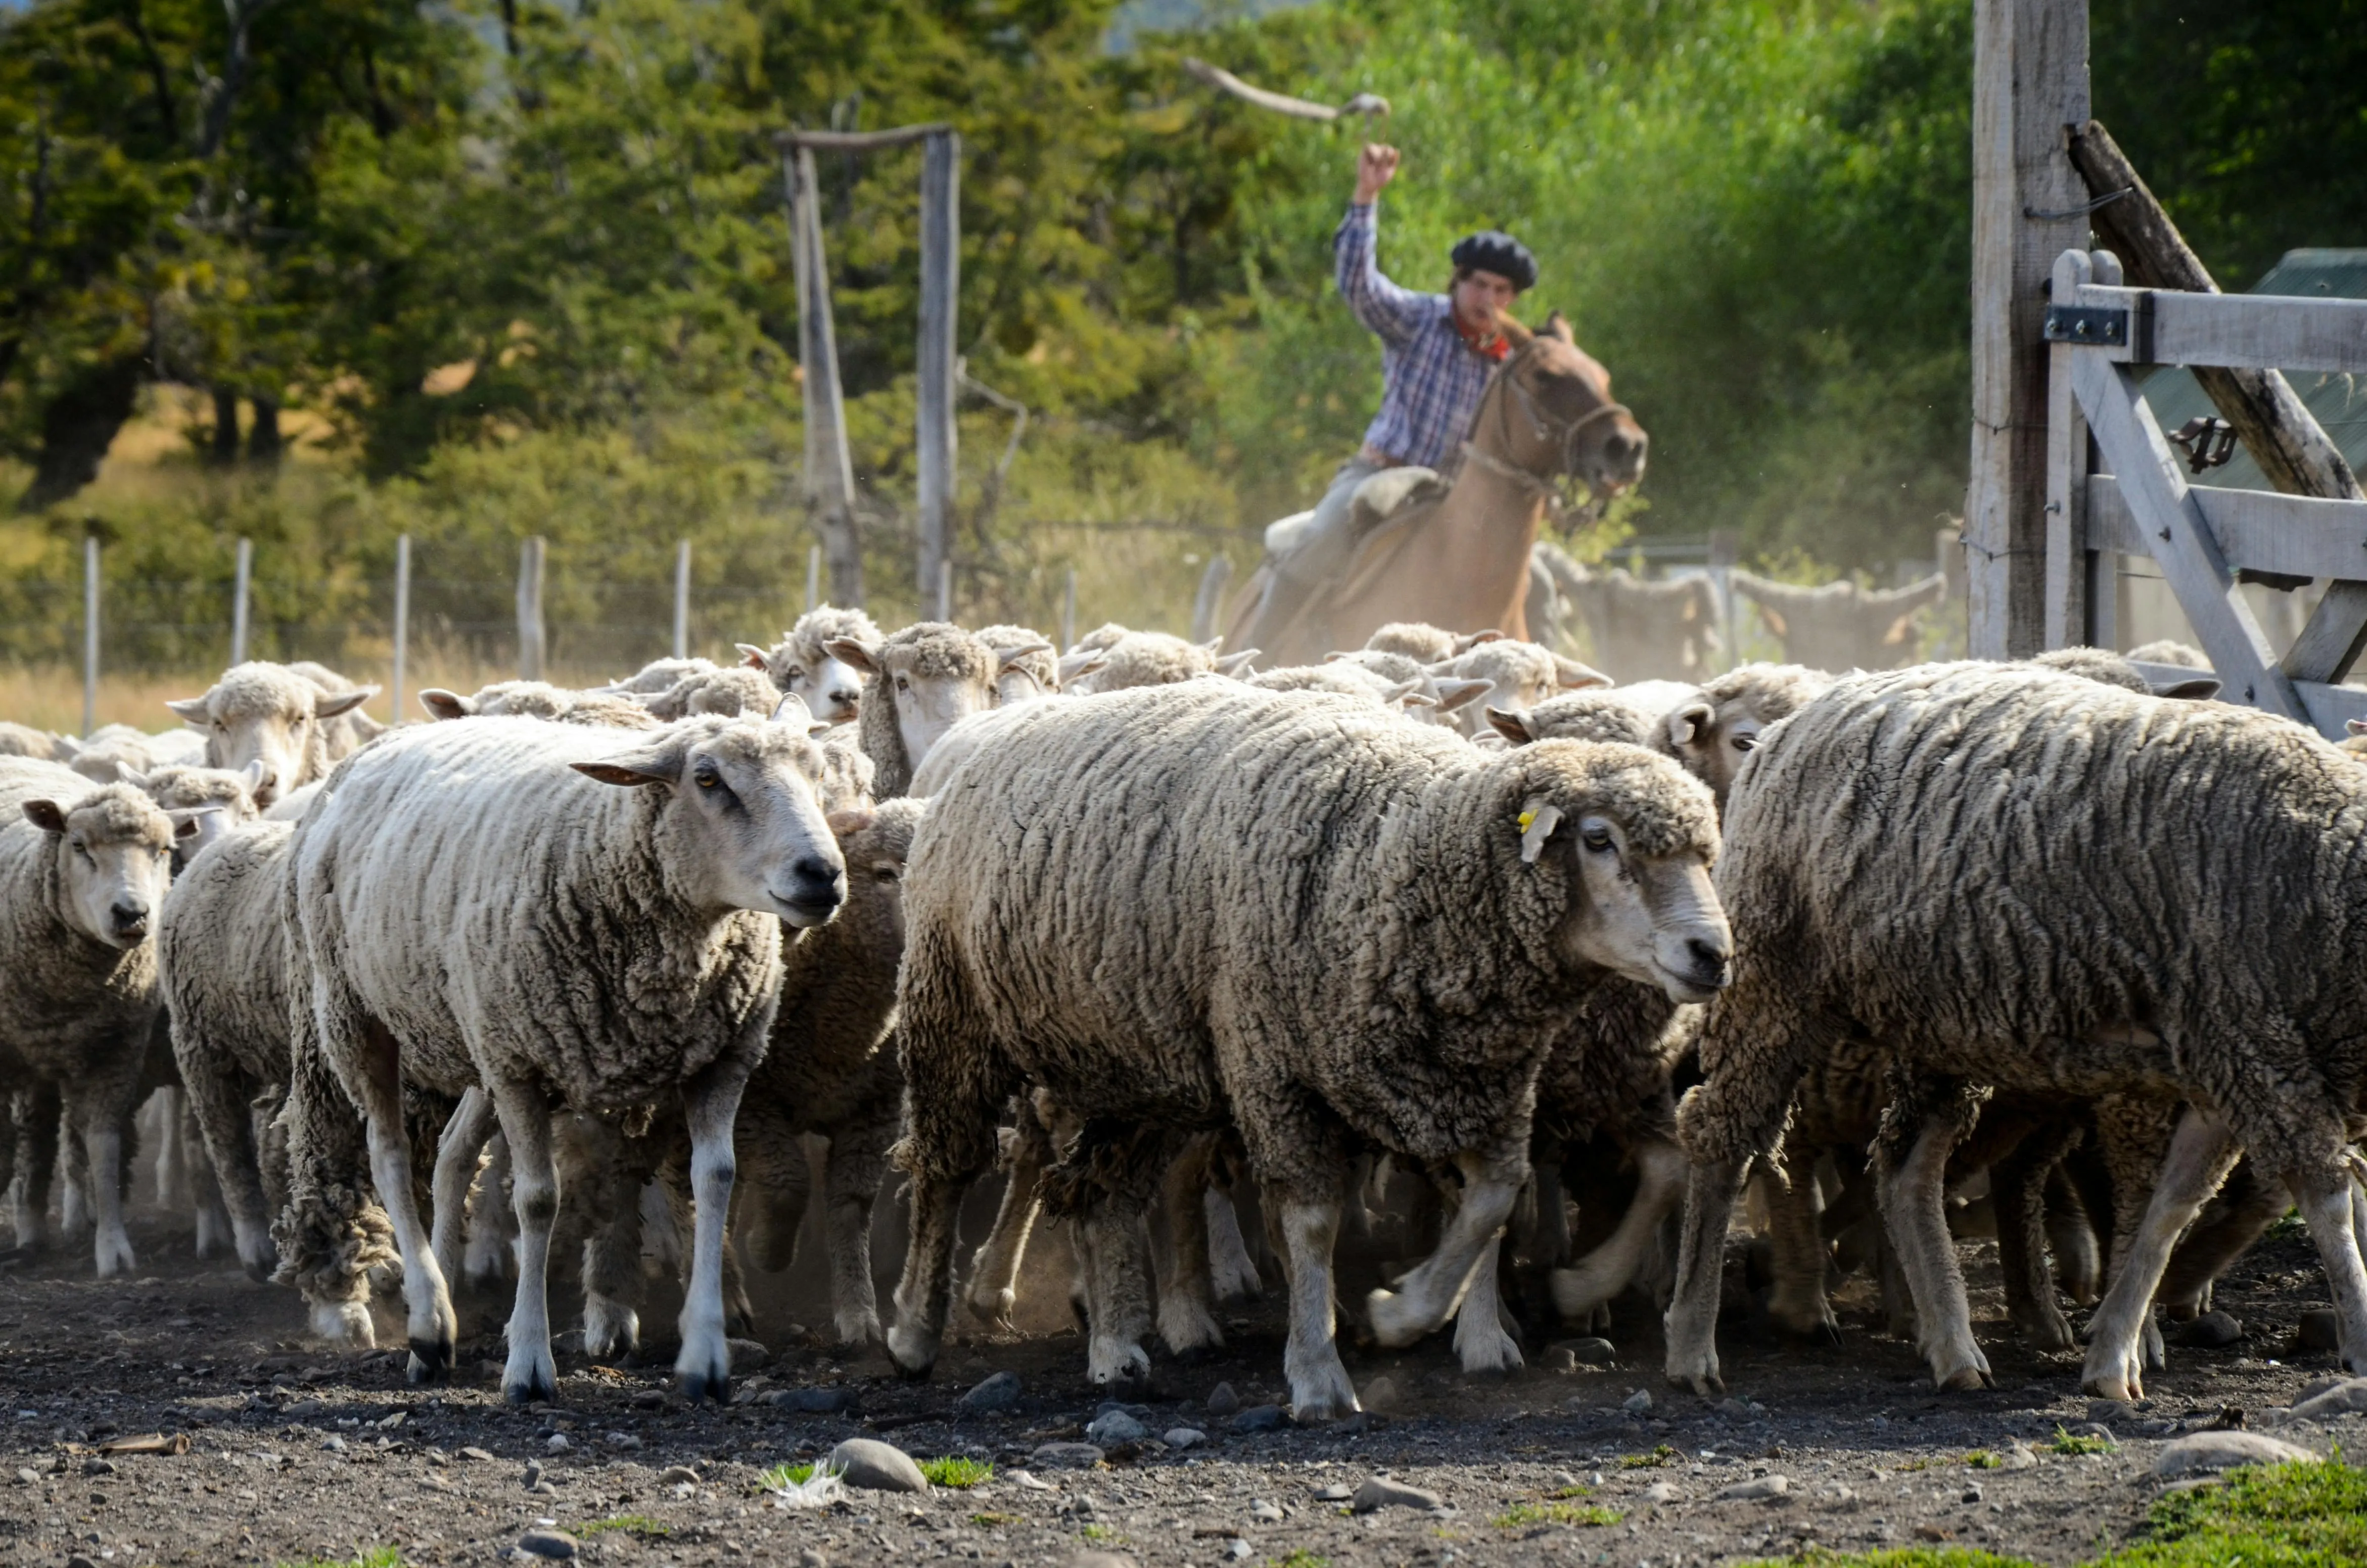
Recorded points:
1376,166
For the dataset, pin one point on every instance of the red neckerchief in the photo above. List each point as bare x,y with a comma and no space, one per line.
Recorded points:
1492,347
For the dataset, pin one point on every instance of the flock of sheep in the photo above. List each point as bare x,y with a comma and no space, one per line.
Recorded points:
1572,962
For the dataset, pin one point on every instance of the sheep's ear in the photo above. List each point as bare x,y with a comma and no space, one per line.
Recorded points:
847,823
792,710
256,776
1408,694
185,823
67,747
130,775
329,704
753,656
854,652
1469,640
1077,666
658,765
1575,676
1454,693
443,704
1512,724
1536,825
1236,665
1334,656
45,815
1688,724
2193,689
1005,658
192,709
1557,325
2356,726
1213,645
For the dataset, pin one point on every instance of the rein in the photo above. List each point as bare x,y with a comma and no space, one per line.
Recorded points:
1560,436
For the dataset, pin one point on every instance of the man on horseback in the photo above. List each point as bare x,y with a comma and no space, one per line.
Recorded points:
1438,352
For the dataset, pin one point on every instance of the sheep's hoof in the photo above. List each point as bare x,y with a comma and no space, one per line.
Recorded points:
697,1385
260,1269
431,1359
2150,1346
1116,1363
1964,1380
2047,1332
913,1351
533,1383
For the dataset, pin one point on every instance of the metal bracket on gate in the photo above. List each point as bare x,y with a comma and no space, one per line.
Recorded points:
2092,324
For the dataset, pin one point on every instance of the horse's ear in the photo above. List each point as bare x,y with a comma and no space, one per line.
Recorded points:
1557,325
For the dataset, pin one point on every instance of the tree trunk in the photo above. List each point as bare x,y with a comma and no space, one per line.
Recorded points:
264,442
222,451
79,425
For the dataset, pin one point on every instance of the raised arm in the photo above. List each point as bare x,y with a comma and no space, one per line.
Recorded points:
1391,312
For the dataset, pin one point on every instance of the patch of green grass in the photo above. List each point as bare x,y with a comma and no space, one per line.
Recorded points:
1102,1533
1660,1455
783,1476
1521,1514
1912,1464
640,1525
1981,1459
1563,1492
2064,1443
957,1472
1302,1558
987,1521
2287,1516
375,1557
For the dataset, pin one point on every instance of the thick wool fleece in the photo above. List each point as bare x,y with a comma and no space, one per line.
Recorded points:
1150,658
927,649
1414,640
1340,679
540,699
730,692
23,740
1206,903
1993,870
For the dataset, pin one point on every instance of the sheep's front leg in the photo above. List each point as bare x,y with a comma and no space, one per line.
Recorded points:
457,1154
994,1291
2327,1200
1320,1389
1187,1307
1425,1298
1116,1251
1483,1343
101,1112
2199,1154
925,1294
34,1112
530,1374
1233,1273
1691,1319
711,1103
850,1187
1602,1274
431,1327
1914,1209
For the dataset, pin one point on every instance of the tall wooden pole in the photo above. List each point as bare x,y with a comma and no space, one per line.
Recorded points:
829,467
243,579
89,634
681,600
529,609
401,616
2030,89
940,287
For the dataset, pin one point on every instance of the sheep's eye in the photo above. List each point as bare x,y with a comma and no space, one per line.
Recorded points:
83,850
1746,742
796,673
708,778
1597,839
903,684
888,874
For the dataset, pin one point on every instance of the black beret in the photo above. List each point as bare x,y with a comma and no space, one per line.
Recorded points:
1498,252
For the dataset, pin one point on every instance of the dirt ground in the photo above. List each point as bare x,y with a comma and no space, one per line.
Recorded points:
296,1455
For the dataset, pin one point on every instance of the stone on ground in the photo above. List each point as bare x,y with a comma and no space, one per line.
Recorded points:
2203,1453
871,1465
1382,1491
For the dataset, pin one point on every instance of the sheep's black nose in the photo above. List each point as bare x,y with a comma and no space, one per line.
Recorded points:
816,883
131,915
1708,957
846,697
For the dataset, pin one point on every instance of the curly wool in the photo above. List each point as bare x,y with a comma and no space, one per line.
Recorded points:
660,673
1893,805
23,740
176,787
805,646
559,705
1099,910
1138,659
1415,640
1041,665
729,692
1335,679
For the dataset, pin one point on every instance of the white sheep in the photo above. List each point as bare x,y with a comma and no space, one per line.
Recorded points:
917,684
83,871
1357,931
801,664
644,964
272,714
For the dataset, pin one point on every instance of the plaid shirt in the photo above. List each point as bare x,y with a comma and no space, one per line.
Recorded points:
1431,379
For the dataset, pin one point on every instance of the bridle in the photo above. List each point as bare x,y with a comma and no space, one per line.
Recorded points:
1558,436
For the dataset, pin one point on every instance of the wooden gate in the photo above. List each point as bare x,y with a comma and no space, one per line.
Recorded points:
2114,483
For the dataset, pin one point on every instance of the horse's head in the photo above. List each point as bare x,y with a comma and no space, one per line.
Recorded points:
1571,425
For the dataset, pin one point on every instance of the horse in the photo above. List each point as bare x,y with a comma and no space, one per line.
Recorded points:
1462,561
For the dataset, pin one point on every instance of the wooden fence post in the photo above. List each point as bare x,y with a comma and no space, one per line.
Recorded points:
243,577
940,289
2030,88
529,609
813,575
681,600
1209,602
829,477
401,616
89,634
